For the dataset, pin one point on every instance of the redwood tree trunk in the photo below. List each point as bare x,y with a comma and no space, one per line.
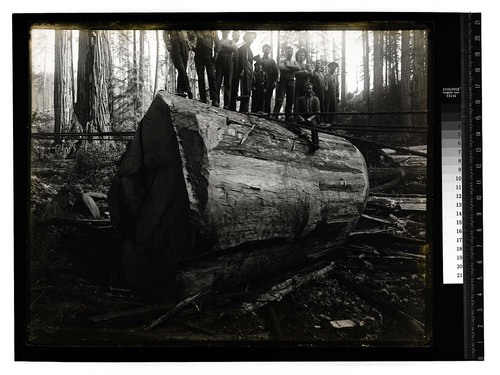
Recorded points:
94,81
378,68
63,81
343,93
405,76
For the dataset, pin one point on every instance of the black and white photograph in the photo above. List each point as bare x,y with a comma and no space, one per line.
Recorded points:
241,185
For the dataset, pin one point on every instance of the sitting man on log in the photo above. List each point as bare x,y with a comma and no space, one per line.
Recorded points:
307,111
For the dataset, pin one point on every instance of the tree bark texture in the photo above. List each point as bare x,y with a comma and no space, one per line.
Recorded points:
63,81
378,69
419,89
406,100
343,92
94,81
233,196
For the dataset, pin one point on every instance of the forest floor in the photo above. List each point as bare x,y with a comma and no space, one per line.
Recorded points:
374,290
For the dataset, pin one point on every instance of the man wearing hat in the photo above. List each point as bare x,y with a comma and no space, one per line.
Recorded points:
308,109
176,42
331,91
269,66
303,75
286,85
318,81
224,67
206,43
245,59
260,85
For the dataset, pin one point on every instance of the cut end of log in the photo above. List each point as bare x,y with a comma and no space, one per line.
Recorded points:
198,180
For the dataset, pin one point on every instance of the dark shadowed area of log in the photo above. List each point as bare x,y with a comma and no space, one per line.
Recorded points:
231,196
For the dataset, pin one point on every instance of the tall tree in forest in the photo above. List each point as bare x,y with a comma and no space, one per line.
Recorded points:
94,81
366,69
343,93
378,69
419,68
135,76
63,82
140,77
405,76
157,68
391,55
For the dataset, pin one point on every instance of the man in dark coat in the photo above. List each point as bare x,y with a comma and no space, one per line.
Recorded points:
303,75
286,86
245,60
176,42
224,67
308,109
271,68
259,87
318,81
205,54
236,76
331,91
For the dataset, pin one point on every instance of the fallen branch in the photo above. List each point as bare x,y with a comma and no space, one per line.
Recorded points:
181,305
277,292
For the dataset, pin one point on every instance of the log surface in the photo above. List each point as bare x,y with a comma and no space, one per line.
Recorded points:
198,179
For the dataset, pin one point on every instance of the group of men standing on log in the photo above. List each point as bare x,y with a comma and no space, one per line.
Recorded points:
304,90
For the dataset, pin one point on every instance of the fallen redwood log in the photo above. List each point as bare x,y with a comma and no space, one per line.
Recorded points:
232,196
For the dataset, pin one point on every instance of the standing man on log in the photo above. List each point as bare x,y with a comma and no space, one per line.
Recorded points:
206,44
331,91
271,68
176,42
260,86
236,77
308,109
303,75
318,81
224,67
245,59
286,85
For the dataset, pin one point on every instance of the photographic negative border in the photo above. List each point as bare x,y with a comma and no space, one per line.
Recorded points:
447,301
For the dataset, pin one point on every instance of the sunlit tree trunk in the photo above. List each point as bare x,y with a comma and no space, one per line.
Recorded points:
140,78
157,68
405,76
366,70
94,81
63,82
378,68
419,88
343,93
